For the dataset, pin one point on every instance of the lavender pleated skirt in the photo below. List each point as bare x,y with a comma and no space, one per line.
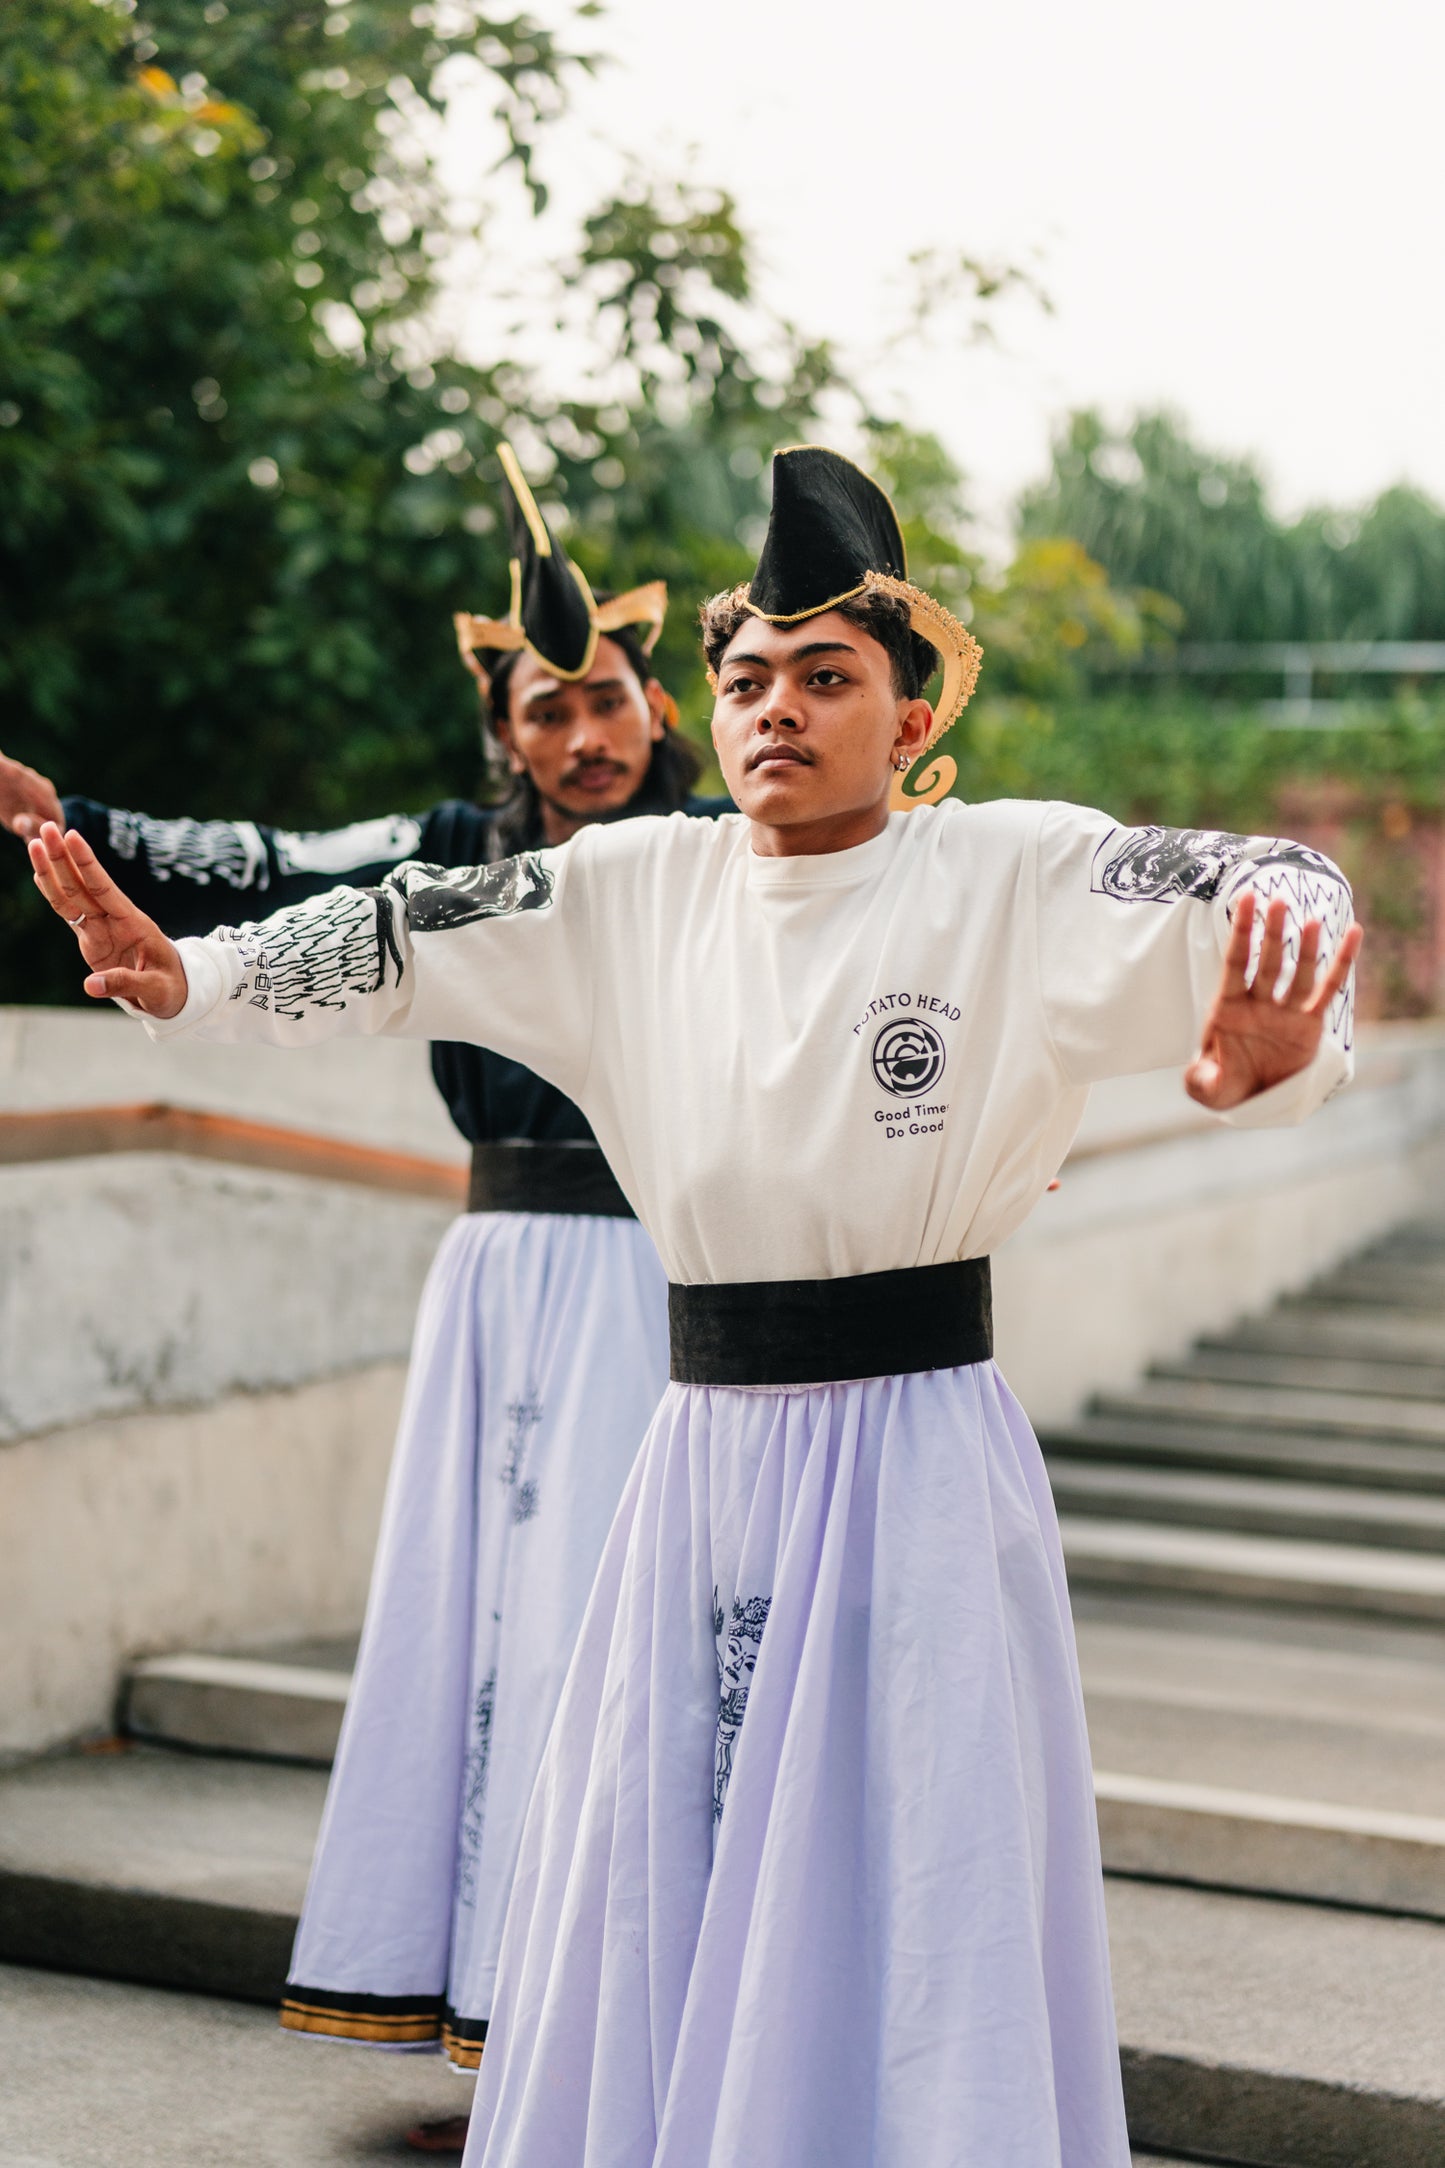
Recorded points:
811,1873
540,1355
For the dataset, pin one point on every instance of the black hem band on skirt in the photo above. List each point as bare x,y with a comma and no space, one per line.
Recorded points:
816,1332
545,1178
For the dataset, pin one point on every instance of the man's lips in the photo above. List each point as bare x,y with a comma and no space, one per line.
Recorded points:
775,754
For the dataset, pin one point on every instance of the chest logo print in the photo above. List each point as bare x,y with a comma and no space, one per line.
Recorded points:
908,1057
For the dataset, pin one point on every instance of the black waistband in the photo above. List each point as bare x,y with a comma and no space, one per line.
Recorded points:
812,1332
545,1178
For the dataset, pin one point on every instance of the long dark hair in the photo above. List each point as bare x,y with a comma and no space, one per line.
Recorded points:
672,773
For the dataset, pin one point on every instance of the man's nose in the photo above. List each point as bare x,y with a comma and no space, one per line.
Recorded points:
777,718
588,732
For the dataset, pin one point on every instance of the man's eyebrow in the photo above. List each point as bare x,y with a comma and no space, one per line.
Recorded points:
797,654
549,691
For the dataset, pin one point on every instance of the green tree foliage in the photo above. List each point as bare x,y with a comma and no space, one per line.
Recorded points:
236,510
1160,513
241,490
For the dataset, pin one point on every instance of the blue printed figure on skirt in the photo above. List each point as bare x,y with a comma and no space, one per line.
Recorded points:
811,1869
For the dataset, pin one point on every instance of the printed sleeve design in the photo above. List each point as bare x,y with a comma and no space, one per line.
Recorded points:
200,851
337,851
440,898
1165,865
318,955
1156,865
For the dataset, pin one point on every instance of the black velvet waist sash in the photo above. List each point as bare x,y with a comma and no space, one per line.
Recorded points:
814,1332
545,1178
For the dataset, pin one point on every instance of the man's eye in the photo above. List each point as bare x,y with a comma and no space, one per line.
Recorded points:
827,675
740,685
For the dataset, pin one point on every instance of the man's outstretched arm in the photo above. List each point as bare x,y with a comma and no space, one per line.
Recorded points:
500,955
192,875
1145,937
1257,1035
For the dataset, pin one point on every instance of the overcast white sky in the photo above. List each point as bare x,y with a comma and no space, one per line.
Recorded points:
1237,209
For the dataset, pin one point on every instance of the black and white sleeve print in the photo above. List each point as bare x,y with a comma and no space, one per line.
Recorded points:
440,898
317,955
1165,865
200,851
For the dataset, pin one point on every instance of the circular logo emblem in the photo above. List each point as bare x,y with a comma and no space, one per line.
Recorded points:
908,1057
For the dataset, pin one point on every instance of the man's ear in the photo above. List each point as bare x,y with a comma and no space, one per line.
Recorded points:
915,721
658,706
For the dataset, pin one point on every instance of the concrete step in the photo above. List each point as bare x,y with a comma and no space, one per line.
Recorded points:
1233,1760
1219,1838
1310,1328
1278,2035
1237,2039
131,2077
1317,1512
237,1704
172,1870
1388,1285
1324,1371
1310,1457
1258,1407
1203,1563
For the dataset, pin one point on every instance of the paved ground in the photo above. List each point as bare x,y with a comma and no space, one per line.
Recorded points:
132,2077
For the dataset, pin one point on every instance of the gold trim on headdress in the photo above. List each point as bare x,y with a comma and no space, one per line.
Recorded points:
646,605
961,655
526,502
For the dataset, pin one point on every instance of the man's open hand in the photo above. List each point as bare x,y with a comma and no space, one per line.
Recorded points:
130,958
26,799
1254,1035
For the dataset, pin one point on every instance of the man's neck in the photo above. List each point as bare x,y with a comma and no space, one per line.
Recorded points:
558,826
814,839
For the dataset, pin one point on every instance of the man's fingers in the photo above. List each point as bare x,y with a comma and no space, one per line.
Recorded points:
120,984
1202,1078
93,877
1271,952
1301,986
1236,952
53,877
1339,970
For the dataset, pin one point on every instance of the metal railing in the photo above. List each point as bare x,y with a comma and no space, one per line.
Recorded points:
1298,663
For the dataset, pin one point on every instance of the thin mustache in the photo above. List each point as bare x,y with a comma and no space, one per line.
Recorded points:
593,767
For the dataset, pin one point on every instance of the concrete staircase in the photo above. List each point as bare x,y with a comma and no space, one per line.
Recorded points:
1256,1539
1295,1463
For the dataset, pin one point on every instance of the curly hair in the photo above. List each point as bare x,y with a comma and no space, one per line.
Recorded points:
884,618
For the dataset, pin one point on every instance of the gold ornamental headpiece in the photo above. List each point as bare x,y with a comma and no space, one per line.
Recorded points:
554,614
833,535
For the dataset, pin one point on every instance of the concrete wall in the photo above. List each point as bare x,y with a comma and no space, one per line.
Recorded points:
249,1520
153,1495
370,1091
151,1281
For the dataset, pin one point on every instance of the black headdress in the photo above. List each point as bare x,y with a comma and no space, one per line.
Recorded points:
833,535
554,614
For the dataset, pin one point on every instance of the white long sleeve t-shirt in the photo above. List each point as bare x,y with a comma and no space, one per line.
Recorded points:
802,1067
